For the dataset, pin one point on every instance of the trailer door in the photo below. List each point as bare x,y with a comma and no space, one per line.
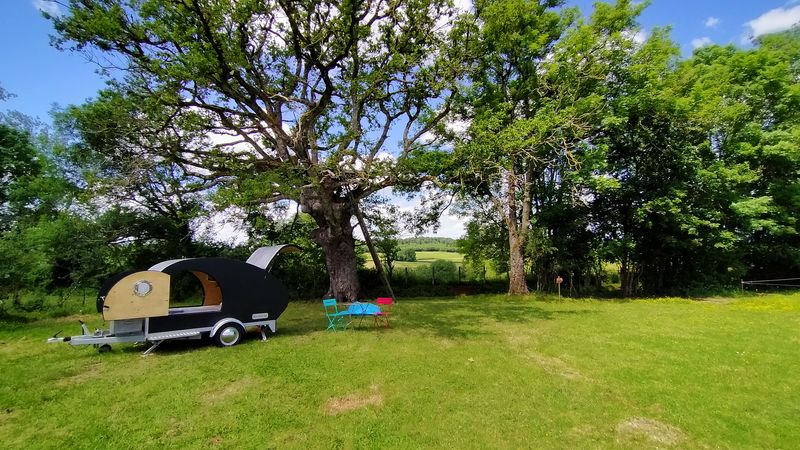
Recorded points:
138,295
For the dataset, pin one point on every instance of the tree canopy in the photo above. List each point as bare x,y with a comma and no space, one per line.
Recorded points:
572,145
276,100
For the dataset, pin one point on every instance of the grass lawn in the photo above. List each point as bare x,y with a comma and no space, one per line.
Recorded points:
469,372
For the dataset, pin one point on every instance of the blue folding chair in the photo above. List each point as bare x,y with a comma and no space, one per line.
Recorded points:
335,317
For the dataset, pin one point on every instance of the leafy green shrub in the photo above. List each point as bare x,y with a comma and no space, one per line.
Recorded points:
444,271
407,254
421,274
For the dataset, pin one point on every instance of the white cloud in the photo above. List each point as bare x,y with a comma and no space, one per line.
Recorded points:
463,5
451,226
701,42
458,126
712,22
638,37
772,21
48,6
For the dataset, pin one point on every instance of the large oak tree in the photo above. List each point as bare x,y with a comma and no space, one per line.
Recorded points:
281,100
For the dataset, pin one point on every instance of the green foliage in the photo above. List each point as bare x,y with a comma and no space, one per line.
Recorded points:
304,272
696,207
438,272
428,244
407,254
582,148
384,229
444,271
274,101
19,164
485,242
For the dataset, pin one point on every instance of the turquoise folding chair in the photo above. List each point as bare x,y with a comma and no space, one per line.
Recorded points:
335,317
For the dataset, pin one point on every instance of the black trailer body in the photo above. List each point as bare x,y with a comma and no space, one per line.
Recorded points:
249,294
236,295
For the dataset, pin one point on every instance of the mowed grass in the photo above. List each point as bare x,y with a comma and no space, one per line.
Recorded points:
468,372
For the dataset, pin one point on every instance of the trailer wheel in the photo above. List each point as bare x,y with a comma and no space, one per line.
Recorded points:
229,335
105,348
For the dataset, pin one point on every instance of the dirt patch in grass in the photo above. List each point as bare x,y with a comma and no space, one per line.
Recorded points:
446,343
340,405
174,428
582,431
638,428
715,300
92,372
556,366
225,391
6,414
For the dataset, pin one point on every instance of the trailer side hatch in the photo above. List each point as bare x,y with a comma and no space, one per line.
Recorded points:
138,295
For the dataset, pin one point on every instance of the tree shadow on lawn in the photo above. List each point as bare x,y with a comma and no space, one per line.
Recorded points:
444,318
179,346
11,320
461,321
302,325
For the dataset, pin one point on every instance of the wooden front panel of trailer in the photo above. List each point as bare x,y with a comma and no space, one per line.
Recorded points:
125,301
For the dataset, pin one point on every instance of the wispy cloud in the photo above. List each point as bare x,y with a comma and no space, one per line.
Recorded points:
701,42
772,21
47,6
638,36
712,22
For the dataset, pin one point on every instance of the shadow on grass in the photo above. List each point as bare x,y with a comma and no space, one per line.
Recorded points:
180,346
464,321
304,325
9,318
454,319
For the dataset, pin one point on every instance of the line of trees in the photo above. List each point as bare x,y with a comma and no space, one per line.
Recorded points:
566,141
683,172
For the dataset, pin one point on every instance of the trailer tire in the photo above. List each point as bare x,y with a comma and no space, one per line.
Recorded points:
229,335
105,348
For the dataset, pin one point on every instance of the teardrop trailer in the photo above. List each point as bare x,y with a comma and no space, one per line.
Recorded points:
236,295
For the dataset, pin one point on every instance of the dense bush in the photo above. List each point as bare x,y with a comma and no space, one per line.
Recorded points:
407,254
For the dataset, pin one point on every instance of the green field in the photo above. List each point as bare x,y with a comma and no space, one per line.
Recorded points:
422,258
468,372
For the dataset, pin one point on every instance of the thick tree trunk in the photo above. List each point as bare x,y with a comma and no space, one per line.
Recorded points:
516,267
340,257
335,235
517,229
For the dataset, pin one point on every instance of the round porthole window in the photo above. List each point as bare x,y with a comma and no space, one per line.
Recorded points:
142,288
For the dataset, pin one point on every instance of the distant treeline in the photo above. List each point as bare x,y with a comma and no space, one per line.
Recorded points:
428,244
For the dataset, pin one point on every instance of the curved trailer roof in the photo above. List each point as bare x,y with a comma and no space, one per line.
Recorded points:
262,258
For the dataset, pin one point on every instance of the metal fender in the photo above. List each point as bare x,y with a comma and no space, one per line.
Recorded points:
222,322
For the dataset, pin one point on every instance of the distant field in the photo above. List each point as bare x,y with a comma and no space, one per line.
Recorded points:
422,258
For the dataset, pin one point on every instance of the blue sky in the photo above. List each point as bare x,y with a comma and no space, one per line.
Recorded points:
40,75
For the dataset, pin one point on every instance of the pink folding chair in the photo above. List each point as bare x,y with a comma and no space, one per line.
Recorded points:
385,304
